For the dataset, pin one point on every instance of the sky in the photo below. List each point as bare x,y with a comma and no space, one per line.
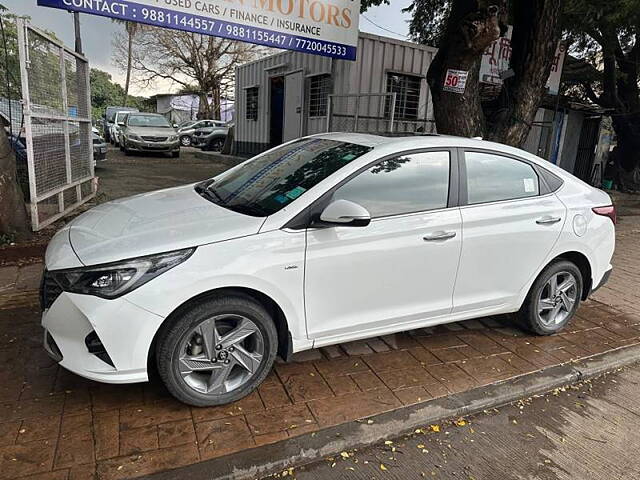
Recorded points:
97,32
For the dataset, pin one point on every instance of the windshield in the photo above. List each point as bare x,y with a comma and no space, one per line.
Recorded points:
147,121
120,116
273,180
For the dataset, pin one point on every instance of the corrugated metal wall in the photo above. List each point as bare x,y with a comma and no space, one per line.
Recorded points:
376,56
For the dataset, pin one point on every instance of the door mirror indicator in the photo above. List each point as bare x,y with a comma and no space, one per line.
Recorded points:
346,214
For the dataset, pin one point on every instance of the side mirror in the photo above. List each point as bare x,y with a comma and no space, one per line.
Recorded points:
121,124
345,213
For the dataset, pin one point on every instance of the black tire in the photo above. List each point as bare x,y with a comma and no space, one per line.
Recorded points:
171,337
214,145
529,312
126,151
175,154
185,141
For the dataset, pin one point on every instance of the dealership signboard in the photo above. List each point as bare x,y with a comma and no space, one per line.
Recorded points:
319,27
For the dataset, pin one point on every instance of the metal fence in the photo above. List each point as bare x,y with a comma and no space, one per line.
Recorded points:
372,113
57,123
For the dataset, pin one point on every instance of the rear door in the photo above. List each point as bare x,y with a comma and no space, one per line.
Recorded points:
510,223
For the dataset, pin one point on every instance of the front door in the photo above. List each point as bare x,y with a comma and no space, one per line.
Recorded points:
397,272
293,99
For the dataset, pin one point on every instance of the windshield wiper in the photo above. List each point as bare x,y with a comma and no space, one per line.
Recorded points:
203,190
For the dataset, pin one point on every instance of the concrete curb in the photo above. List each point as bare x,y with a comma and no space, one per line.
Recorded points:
297,451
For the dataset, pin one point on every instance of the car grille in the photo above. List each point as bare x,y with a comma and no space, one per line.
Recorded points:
154,139
49,290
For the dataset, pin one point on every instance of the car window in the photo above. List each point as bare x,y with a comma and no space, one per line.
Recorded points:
492,177
405,184
147,121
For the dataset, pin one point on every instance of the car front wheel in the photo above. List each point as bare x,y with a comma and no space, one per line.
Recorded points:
218,351
185,141
553,299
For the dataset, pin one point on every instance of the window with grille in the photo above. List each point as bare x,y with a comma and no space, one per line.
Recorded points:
407,90
252,104
319,90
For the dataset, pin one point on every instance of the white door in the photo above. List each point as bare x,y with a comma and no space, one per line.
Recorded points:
509,228
293,100
401,267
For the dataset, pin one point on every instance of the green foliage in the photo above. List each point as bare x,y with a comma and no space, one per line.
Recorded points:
105,92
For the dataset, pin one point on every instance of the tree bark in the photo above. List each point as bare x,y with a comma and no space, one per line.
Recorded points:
129,67
13,213
471,27
535,38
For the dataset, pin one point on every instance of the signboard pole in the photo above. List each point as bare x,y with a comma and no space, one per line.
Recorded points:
76,27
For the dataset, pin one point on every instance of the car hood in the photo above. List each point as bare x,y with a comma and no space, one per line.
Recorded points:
151,131
154,222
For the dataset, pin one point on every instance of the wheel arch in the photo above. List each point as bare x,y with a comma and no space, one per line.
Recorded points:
285,345
582,262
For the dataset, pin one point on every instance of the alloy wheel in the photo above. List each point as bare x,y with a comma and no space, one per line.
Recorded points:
557,298
221,354
185,141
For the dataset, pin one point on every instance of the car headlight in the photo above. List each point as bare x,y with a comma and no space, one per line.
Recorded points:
119,278
135,137
173,138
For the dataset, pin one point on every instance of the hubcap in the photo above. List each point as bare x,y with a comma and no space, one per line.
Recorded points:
221,354
186,141
557,298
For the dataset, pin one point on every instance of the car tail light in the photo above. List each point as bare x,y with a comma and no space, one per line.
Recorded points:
608,211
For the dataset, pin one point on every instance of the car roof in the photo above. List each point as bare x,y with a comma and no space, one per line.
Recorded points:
398,143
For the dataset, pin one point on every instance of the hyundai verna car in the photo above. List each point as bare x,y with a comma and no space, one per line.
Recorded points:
322,240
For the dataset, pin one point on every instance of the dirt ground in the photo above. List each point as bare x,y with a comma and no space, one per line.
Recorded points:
122,176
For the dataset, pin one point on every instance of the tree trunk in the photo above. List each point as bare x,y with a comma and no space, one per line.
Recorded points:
535,38
129,67
471,27
13,214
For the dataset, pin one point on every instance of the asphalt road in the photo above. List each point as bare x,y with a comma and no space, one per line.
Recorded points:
590,431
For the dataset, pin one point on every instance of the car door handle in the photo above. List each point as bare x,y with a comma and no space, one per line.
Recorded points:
439,236
548,220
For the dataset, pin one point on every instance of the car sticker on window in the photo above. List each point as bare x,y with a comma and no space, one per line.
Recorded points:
281,199
529,185
348,157
295,192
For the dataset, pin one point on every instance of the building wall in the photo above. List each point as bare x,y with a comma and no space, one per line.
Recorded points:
377,56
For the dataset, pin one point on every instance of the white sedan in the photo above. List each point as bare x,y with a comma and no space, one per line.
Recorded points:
323,240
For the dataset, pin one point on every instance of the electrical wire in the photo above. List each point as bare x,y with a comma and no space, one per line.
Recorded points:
381,27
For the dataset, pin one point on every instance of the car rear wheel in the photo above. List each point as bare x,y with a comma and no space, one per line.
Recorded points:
553,299
185,141
218,351
215,145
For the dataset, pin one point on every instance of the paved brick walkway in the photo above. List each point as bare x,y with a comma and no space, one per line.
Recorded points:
58,426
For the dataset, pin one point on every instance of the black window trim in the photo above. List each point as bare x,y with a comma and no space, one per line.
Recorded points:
543,187
305,218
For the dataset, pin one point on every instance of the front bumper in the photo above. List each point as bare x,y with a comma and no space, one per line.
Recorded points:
143,146
123,331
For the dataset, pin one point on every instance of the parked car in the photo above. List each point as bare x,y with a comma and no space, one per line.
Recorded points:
186,132
109,119
325,239
100,147
115,128
211,139
148,132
